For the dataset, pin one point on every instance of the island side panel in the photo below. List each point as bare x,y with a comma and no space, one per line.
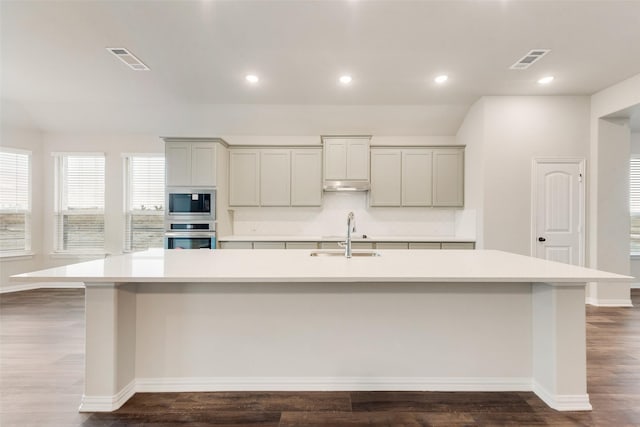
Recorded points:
110,330
312,336
559,341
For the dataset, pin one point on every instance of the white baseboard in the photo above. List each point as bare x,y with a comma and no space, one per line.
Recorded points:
41,285
195,384
331,384
107,403
563,402
601,302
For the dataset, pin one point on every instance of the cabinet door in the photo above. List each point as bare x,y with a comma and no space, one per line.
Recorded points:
178,163
424,245
335,159
416,177
203,164
448,177
392,245
268,245
306,177
302,245
244,178
275,178
358,159
236,245
385,177
458,245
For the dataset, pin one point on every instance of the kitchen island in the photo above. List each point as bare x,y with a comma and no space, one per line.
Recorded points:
202,320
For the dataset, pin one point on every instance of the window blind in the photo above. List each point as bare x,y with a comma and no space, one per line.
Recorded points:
144,222
634,204
80,209
15,209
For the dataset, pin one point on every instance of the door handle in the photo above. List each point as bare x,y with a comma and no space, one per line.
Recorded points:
541,239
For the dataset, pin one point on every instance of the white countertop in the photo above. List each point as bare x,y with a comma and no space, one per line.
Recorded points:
250,266
355,238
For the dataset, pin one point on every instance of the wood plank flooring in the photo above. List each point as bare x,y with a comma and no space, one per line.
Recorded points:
41,382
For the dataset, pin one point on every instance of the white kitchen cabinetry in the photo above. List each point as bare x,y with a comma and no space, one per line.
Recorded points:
275,177
424,245
236,245
190,164
458,245
268,245
386,177
448,177
346,159
392,245
244,177
306,177
416,177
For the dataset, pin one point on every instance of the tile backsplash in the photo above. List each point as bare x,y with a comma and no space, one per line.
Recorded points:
331,219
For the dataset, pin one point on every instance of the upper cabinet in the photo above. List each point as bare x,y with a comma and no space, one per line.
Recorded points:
275,177
418,176
346,158
190,163
244,177
448,177
386,177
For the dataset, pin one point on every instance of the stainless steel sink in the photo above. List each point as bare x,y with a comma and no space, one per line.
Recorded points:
341,253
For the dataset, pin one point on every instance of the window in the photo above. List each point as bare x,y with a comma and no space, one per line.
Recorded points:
634,204
79,221
144,202
15,201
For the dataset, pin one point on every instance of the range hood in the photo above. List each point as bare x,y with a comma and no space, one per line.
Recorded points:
351,185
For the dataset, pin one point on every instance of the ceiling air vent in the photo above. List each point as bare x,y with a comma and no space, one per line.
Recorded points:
128,58
529,59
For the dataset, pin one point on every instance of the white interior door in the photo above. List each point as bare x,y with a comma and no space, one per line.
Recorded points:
558,211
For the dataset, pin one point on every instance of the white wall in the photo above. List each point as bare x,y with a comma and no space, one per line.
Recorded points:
27,138
503,134
472,135
608,250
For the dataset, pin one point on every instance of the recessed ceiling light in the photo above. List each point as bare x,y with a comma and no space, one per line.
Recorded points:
345,80
252,78
545,80
441,79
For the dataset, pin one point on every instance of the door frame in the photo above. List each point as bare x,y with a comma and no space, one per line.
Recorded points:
581,162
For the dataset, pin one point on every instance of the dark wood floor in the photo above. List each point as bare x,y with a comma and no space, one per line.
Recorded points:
41,370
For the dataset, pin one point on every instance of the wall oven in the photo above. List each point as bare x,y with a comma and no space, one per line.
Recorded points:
185,203
190,218
189,235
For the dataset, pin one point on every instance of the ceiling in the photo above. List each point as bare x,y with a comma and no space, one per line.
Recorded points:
57,74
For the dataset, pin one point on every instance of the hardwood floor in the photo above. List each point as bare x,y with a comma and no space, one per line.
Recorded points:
41,382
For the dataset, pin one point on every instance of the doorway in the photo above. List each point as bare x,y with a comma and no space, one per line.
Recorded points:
558,210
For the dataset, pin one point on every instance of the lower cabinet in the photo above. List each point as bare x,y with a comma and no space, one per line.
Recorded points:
268,245
354,245
458,245
236,245
392,245
301,245
424,245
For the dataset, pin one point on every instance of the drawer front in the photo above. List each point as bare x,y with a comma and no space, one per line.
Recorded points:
236,245
392,245
268,245
302,245
458,245
424,245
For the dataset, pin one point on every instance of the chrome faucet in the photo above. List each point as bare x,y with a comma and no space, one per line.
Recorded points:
351,227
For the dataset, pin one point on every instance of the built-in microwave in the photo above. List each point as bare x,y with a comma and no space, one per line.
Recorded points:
185,203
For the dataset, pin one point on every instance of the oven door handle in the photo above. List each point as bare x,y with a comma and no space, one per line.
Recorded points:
196,235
